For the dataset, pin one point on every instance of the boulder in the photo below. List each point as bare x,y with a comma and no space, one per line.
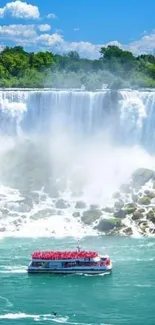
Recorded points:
129,208
61,204
47,212
144,200
90,216
80,205
141,176
94,206
128,231
120,214
150,194
137,215
119,204
142,210
76,214
106,225
108,209
151,216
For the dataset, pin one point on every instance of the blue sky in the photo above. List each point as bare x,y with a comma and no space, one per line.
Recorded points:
81,25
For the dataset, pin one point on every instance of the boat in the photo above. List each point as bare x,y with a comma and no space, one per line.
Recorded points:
69,262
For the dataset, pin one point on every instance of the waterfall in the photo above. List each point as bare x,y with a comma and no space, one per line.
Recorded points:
127,115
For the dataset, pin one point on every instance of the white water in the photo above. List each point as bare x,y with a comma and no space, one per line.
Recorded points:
91,142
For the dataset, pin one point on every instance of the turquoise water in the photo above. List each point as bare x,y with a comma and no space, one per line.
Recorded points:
127,296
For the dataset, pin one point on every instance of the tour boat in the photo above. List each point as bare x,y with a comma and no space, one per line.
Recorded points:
69,262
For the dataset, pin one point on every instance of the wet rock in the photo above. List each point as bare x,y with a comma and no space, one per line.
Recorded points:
116,195
80,205
151,216
106,225
144,200
94,206
44,213
119,204
149,194
141,176
130,208
137,215
61,204
76,214
120,214
128,231
90,216
142,210
108,209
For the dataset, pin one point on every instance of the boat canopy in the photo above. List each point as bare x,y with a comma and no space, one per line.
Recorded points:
63,255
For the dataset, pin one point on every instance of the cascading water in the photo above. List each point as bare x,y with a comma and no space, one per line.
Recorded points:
69,145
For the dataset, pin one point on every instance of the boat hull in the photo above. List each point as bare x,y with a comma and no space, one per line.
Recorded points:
73,271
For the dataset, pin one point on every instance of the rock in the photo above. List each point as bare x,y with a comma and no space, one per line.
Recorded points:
144,200
153,185
107,225
125,188
141,176
128,231
90,216
137,215
149,194
151,216
142,210
94,206
76,214
119,204
120,214
130,208
116,195
47,212
80,205
108,209
61,204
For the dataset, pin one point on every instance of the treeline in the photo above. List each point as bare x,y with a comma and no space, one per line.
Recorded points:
116,68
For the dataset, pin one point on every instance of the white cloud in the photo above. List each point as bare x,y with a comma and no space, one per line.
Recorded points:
76,29
51,16
27,35
39,36
85,49
144,45
49,40
19,9
44,28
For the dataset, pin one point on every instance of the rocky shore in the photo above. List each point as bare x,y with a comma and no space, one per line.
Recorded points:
132,211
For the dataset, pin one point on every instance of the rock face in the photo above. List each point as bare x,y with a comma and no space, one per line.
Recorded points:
106,225
137,215
144,200
61,204
90,216
76,214
108,210
80,205
141,176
